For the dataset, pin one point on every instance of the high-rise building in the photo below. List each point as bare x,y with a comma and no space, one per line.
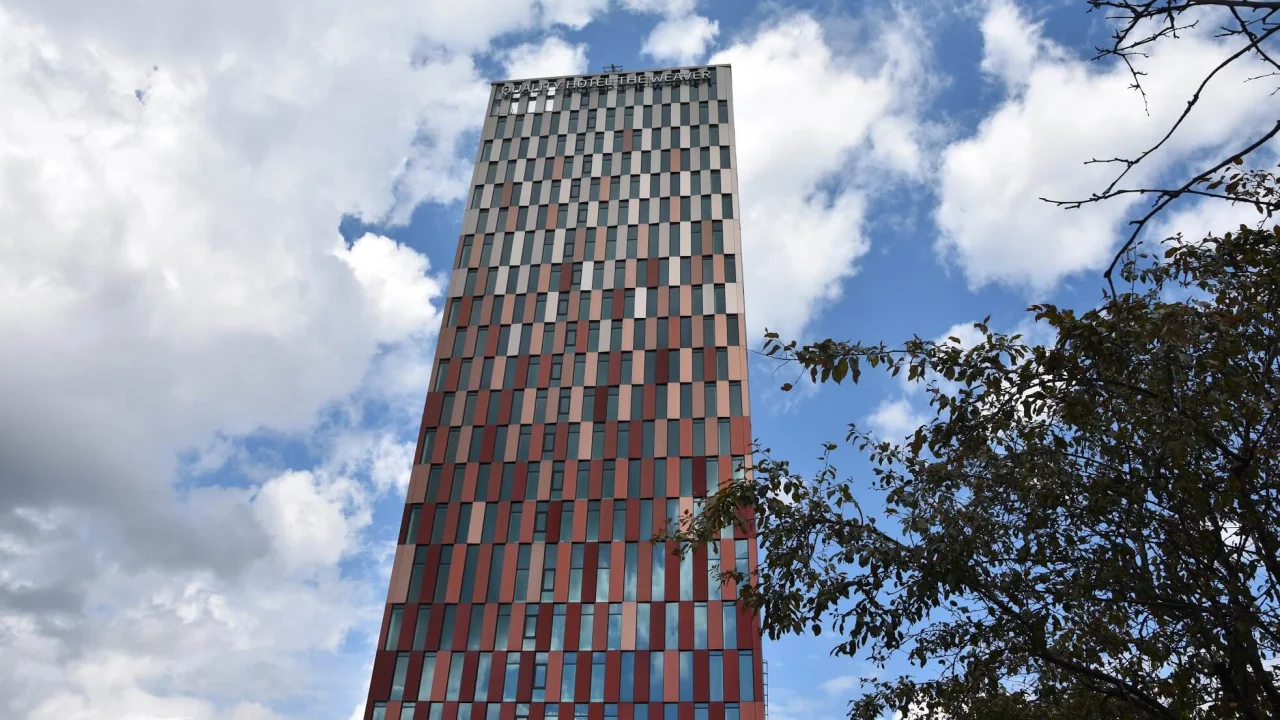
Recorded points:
590,384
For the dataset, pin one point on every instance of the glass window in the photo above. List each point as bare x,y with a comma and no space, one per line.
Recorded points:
428,676
549,573
442,574
672,626
655,676
585,627
746,676
484,667
474,627
642,626
503,628
575,573
597,677
626,684
602,577
512,677
593,520
686,675
631,555
420,628
715,676
658,587
398,677
393,627
614,641
568,675
454,689
700,626
557,627
447,626
539,678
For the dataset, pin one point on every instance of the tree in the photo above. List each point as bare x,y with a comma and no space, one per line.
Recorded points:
1252,26
1084,529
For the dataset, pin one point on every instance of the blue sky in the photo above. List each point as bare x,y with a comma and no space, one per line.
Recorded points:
223,233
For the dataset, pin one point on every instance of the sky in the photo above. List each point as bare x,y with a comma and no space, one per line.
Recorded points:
225,228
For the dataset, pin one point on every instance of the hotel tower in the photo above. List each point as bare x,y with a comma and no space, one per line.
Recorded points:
590,384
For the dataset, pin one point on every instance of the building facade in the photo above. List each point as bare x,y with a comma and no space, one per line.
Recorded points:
590,384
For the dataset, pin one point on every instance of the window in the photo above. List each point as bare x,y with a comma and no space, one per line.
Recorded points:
746,676
655,676
503,628
597,677
420,629
539,678
530,637
602,578
428,675
585,627
686,675
454,687
715,676
398,677
557,627
593,520
658,587
626,684
484,667
568,676
512,677
447,627
411,529
614,640
522,570
575,573
619,519
549,573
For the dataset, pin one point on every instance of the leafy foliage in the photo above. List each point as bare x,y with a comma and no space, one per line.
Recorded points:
1086,529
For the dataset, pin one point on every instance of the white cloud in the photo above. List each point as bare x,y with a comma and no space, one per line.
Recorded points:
305,519
401,294
895,419
172,177
681,39
968,335
377,454
662,7
574,14
1058,112
808,119
1011,43
840,685
551,57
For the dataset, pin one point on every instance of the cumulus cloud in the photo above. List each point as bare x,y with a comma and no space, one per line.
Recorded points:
840,684
896,419
305,518
172,282
1060,110
553,56
662,7
681,39
805,150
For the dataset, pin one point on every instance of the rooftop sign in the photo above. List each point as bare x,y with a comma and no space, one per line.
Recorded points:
618,80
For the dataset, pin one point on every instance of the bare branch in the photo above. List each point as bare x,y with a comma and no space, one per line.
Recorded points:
1168,198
